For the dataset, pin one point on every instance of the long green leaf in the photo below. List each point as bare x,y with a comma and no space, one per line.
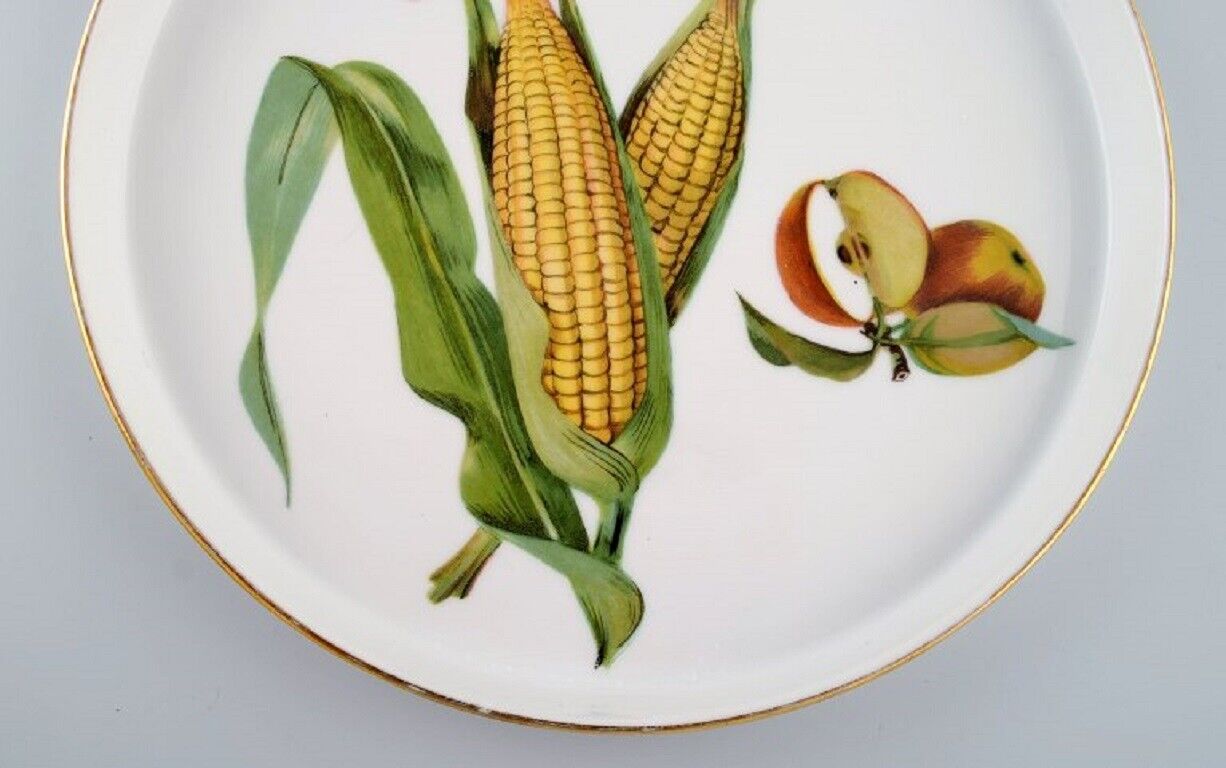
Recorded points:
453,345
290,142
783,348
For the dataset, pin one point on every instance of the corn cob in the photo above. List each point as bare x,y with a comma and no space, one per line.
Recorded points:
686,133
558,190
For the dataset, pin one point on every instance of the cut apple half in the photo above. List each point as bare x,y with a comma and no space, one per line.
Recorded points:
813,285
885,237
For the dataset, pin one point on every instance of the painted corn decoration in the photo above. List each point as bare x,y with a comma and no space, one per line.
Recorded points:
574,260
537,106
685,134
559,194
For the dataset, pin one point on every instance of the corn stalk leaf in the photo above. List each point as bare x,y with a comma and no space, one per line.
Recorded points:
452,340
782,348
700,256
609,473
293,135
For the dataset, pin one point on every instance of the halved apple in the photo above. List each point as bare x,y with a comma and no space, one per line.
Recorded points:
980,261
886,236
796,257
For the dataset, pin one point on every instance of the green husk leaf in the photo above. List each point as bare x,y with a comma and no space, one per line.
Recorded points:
696,263
644,439
611,601
609,473
456,577
783,348
452,340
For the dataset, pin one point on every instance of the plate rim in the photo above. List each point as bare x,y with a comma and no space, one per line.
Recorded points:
270,605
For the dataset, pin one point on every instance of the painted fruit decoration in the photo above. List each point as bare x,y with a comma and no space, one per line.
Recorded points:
959,300
886,241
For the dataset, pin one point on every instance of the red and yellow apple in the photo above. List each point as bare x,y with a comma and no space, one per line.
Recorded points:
979,261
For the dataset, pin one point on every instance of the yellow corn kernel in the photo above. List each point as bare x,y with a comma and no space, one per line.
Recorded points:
686,134
558,188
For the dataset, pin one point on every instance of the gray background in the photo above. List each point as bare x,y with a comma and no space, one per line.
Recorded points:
121,644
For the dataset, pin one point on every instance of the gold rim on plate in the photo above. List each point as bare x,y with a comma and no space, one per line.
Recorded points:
162,491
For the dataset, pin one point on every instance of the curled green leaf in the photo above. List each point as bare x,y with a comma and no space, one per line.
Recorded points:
783,348
293,135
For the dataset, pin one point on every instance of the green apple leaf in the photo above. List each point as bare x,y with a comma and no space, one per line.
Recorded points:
782,348
922,332
1039,335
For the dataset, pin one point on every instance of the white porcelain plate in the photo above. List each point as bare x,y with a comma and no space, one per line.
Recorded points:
801,528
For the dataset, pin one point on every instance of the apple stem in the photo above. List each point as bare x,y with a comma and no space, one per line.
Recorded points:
881,333
902,368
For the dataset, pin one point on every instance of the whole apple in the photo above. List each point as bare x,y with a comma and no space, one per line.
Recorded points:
980,261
